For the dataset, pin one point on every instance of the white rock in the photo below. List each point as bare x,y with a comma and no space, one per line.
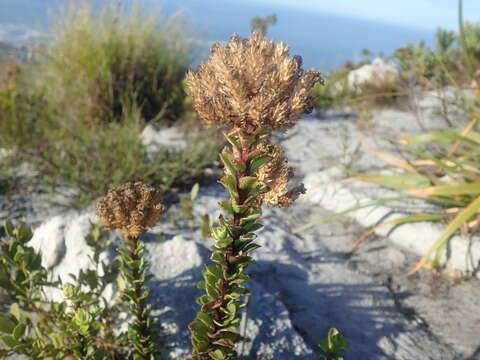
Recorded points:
154,138
61,241
378,68
417,237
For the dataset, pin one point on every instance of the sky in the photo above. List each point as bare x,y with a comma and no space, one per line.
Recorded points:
427,14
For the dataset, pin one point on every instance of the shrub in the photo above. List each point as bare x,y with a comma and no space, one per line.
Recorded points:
79,122
102,67
334,91
80,326
91,159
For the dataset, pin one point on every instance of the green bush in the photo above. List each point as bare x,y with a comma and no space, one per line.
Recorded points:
76,116
79,327
92,158
101,67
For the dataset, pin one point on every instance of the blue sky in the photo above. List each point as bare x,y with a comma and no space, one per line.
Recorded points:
428,14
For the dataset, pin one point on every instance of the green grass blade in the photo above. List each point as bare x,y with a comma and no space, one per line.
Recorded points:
344,212
447,190
439,136
396,181
461,218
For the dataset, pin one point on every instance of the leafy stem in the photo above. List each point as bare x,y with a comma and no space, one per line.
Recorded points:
214,330
141,332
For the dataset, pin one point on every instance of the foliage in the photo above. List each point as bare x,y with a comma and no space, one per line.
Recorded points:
335,91
261,24
79,327
76,116
214,328
187,217
103,67
141,333
472,39
91,158
335,343
443,172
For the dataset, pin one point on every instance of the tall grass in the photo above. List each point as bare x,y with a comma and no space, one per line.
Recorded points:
102,66
77,113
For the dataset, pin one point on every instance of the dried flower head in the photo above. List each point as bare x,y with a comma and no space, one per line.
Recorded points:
276,175
250,84
132,207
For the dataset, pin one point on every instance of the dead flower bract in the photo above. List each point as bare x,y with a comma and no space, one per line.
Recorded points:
251,83
132,207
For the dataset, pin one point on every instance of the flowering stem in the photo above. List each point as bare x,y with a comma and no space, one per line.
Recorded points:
214,330
141,331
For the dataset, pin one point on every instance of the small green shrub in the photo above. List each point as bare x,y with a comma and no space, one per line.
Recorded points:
334,91
102,67
91,159
79,327
333,346
76,116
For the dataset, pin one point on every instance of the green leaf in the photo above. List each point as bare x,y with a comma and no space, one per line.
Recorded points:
19,331
234,142
247,182
194,191
217,355
230,184
205,319
214,270
259,162
227,206
9,228
122,285
461,218
199,328
15,311
218,257
6,324
250,247
10,341
461,189
254,215
227,160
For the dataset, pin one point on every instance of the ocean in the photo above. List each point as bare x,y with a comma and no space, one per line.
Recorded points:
324,40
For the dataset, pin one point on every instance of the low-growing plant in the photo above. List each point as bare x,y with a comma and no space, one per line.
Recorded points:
250,87
81,326
132,208
78,327
443,172
102,66
77,115
334,344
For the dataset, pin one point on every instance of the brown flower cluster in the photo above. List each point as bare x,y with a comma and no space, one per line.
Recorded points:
251,83
275,175
132,207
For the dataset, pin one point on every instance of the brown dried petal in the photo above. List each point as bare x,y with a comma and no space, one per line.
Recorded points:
251,83
133,207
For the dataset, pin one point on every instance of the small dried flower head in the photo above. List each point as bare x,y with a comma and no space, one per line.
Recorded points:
132,207
250,84
276,175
